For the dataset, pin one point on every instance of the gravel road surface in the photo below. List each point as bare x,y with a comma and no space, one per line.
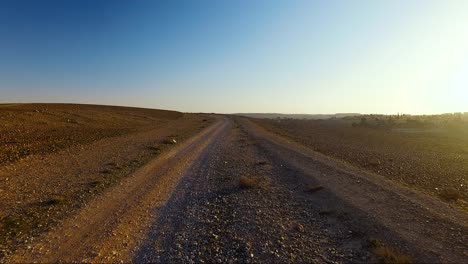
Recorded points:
236,193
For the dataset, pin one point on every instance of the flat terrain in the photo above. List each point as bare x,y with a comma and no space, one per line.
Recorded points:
235,192
27,129
54,158
434,161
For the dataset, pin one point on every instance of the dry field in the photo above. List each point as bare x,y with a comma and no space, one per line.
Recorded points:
135,185
43,128
434,161
56,157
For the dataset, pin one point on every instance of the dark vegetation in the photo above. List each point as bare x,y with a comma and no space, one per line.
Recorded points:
389,255
452,122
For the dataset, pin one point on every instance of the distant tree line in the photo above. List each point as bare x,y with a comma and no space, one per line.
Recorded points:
411,121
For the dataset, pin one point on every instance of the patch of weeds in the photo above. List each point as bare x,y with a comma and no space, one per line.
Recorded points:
449,194
169,141
19,226
10,222
248,183
387,254
375,243
12,225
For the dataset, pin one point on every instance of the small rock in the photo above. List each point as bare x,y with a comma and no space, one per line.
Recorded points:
299,228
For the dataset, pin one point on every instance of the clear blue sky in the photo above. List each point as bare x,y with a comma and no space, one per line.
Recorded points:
238,56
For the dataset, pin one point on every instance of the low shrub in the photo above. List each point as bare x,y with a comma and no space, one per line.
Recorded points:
387,254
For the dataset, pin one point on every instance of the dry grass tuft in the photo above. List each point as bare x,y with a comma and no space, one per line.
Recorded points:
169,141
389,255
449,194
248,183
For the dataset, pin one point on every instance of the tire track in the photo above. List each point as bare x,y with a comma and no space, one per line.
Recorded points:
418,224
108,228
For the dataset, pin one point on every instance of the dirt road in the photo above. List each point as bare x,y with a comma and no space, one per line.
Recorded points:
294,205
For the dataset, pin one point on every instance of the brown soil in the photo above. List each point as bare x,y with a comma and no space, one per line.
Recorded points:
348,217
405,223
434,162
27,129
189,204
112,224
67,163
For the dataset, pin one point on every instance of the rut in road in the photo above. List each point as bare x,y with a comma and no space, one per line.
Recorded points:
110,226
210,218
430,230
188,206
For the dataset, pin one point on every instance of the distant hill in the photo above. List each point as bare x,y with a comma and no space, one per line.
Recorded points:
297,116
